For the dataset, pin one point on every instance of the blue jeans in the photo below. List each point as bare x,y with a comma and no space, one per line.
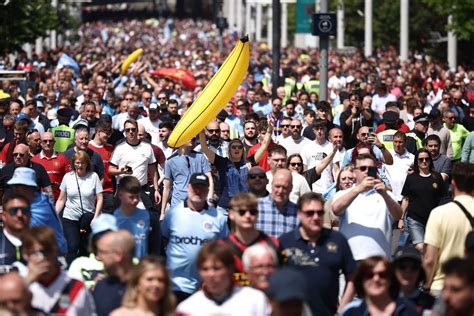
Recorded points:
416,231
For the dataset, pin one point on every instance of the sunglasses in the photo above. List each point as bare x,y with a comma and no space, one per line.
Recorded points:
131,130
236,147
423,159
47,141
255,176
408,265
365,168
214,131
311,213
129,99
450,117
252,212
14,210
295,126
21,155
381,275
296,164
285,126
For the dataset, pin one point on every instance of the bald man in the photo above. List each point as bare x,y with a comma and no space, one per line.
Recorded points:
15,296
34,143
21,158
277,214
214,141
115,250
55,164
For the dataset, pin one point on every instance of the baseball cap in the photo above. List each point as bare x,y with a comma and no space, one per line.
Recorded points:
199,178
22,116
25,176
153,106
103,223
287,284
407,252
434,113
81,122
52,114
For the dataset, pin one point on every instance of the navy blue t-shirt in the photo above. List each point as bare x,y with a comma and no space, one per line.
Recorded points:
108,294
320,264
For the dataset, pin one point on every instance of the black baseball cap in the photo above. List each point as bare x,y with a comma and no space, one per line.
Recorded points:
199,178
407,252
287,284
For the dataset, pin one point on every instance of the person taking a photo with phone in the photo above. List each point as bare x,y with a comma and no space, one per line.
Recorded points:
367,211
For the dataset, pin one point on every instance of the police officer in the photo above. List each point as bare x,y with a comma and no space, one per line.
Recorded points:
63,134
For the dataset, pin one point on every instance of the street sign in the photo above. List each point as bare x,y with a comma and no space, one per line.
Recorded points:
304,10
324,24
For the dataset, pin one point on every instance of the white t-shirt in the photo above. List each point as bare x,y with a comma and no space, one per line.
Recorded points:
367,224
244,301
151,128
300,185
89,187
293,146
136,156
314,153
397,173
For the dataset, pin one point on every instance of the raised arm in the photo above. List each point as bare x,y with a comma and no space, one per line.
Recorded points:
265,143
211,156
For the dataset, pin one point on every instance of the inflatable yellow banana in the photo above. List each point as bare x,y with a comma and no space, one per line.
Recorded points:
130,59
215,95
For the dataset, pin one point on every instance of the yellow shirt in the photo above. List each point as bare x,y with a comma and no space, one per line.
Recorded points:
446,230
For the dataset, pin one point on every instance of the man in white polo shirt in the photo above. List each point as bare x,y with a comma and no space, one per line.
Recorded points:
367,211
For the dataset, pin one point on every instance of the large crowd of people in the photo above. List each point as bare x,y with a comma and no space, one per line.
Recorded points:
361,204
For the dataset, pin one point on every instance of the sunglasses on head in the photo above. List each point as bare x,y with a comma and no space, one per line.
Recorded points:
260,176
14,210
252,212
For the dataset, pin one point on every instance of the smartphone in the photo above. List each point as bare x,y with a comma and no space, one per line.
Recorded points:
372,172
371,130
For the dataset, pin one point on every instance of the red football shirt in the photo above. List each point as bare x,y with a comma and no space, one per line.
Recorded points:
105,152
56,167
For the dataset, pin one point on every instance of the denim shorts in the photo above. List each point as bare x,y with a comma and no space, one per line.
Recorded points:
416,230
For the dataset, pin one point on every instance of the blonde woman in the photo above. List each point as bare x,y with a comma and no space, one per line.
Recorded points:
148,291
80,201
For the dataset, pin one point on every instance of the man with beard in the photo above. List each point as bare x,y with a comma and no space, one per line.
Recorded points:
250,135
295,143
163,134
214,141
34,142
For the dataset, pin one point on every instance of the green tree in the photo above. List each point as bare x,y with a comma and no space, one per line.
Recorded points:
462,12
22,21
